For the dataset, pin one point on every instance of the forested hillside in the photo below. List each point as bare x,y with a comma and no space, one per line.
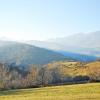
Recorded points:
50,74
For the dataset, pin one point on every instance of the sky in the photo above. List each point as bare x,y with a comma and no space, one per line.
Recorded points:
44,19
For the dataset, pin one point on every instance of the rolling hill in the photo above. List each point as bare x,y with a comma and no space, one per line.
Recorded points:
23,54
74,72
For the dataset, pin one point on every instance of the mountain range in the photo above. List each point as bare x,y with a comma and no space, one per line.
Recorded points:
81,43
79,47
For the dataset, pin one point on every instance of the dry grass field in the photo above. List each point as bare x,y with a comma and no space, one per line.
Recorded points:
89,91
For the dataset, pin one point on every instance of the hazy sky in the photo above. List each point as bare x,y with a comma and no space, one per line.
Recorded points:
42,19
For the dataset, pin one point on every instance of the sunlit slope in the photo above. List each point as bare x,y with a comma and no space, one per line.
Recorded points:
72,69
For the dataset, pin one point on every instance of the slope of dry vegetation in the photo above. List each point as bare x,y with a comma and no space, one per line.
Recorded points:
54,73
76,71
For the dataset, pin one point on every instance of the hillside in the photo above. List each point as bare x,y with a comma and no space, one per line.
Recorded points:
54,73
23,54
68,52
69,92
73,72
79,57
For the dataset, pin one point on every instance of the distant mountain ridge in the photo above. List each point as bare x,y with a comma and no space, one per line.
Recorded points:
82,40
79,57
81,43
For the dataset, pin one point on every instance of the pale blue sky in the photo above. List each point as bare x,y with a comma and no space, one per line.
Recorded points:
42,19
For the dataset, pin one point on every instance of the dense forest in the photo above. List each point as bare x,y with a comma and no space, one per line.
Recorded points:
62,72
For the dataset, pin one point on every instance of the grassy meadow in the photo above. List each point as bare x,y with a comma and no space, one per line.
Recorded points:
89,91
